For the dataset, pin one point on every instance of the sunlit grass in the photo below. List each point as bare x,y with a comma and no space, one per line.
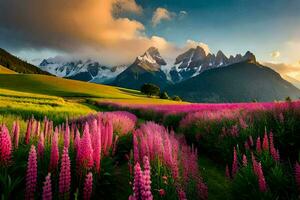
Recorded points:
4,70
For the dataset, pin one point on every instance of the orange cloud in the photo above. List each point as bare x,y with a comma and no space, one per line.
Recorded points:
161,14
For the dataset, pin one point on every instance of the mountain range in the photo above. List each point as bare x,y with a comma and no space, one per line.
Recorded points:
195,76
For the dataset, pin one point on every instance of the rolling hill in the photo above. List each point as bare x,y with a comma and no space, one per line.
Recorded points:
13,63
4,70
240,82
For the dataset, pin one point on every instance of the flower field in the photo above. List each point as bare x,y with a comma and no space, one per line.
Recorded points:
142,152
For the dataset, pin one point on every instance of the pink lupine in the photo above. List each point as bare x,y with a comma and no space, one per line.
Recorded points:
97,149
254,163
227,173
16,134
146,185
246,145
135,148
245,162
271,139
88,186
234,163
31,174
258,145
297,174
41,145
181,194
67,137
28,132
54,151
137,183
202,190
47,190
77,140
265,145
65,175
261,179
85,150
251,141
5,146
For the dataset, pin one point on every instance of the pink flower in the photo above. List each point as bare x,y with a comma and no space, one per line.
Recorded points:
227,173
297,174
161,192
85,151
5,146
245,162
265,144
137,183
146,185
54,151
47,190
28,132
97,149
31,175
67,137
261,179
77,140
88,186
41,145
251,141
16,134
258,145
234,163
65,174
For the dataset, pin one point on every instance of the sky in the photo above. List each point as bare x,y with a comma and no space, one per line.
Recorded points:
116,31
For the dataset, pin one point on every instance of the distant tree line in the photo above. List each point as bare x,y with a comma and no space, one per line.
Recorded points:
153,90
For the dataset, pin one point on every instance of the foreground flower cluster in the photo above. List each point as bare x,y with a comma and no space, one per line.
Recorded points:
171,158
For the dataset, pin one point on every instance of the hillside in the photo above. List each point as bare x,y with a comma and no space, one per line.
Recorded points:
240,82
13,63
49,85
4,70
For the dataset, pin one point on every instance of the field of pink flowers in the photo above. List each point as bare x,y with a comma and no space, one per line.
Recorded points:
124,155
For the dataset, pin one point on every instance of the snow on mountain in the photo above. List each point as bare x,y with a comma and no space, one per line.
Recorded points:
195,61
87,70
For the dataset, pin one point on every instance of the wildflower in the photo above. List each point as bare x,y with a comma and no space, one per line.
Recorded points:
261,179
258,145
85,150
234,163
146,185
88,186
41,145
227,173
31,174
67,137
16,134
5,146
161,192
65,174
265,144
28,131
54,151
244,160
47,190
97,149
137,183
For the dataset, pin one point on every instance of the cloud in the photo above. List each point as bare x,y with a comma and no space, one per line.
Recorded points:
275,54
123,6
286,70
193,44
182,14
87,28
161,14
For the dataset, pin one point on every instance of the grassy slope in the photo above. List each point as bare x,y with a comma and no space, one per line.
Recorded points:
4,70
49,85
26,94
